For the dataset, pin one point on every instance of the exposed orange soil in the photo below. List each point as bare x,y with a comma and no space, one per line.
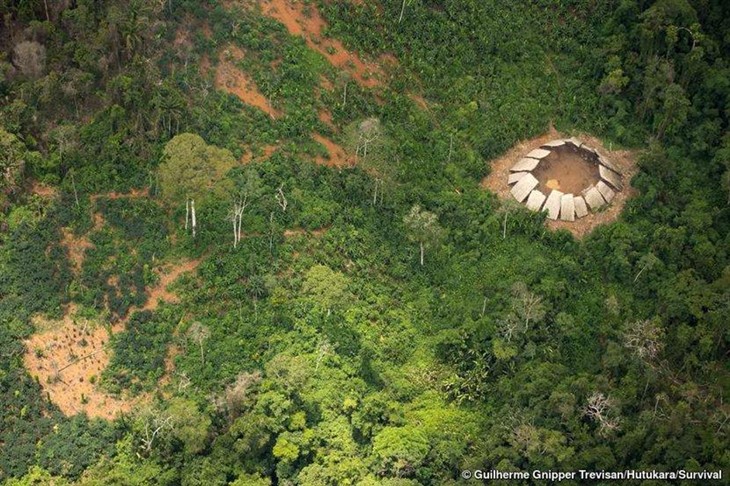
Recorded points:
232,80
98,220
66,356
207,31
326,84
67,353
325,117
310,25
337,155
172,352
160,292
76,247
42,190
182,39
625,160
204,67
266,152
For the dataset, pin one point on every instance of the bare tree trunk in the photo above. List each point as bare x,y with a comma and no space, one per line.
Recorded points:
187,214
73,184
192,211
504,226
375,193
344,96
45,4
281,198
240,224
421,253
402,9
235,230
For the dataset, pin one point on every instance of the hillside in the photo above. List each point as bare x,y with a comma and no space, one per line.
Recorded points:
277,242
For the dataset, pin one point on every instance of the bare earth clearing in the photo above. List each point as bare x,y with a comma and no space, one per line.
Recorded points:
338,157
566,171
232,80
68,355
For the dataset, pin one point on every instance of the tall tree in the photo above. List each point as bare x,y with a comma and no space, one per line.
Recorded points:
423,228
192,170
247,189
372,147
326,286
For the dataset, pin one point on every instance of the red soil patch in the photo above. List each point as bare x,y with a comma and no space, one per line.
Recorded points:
326,84
66,354
309,25
204,67
625,160
172,352
266,152
76,247
42,190
337,155
181,37
232,80
206,30
160,292
98,220
325,117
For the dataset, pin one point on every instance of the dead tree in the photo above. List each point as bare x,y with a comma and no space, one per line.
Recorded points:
281,198
236,394
402,9
199,333
600,409
151,431
236,215
190,221
30,59
192,211
644,339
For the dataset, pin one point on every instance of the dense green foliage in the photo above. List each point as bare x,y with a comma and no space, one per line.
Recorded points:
322,350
